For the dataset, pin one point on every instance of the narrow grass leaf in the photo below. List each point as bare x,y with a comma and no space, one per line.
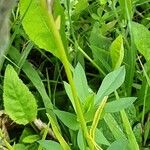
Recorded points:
126,7
114,127
19,103
60,138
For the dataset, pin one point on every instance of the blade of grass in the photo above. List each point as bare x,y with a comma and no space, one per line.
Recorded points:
63,143
146,90
128,128
114,127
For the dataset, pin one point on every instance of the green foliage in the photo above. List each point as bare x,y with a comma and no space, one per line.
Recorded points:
119,144
117,52
126,6
70,120
48,144
81,82
81,141
31,139
90,99
35,18
19,147
142,39
19,102
116,106
110,83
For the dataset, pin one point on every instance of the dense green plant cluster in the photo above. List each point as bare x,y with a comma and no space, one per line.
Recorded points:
76,75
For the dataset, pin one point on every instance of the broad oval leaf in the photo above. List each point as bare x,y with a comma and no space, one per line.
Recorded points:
118,105
141,39
117,52
69,119
48,144
110,83
19,102
36,25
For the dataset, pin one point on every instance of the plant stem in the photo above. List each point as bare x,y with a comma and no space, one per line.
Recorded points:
9,147
63,58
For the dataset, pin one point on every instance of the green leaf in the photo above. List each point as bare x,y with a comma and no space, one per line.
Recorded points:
36,25
89,103
126,7
19,147
118,105
146,131
114,127
69,93
48,144
80,6
81,82
117,52
26,132
34,77
110,83
58,13
80,140
31,139
19,102
99,45
100,138
119,145
97,39
141,37
69,119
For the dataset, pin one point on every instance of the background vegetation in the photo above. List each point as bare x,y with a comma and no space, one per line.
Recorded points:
75,75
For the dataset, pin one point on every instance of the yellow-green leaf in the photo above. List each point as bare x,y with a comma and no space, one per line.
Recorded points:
117,52
19,103
36,25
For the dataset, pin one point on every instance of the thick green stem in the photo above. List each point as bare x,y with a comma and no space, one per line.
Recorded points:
63,58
